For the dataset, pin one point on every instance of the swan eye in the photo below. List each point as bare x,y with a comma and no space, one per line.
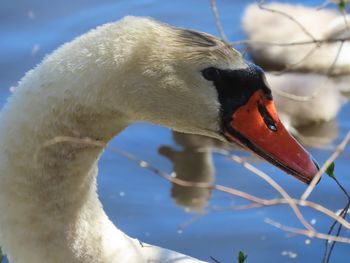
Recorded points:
211,74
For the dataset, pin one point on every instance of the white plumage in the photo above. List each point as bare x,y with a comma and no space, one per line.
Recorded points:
303,99
95,86
262,25
305,94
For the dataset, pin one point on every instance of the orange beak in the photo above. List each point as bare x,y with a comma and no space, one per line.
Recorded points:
256,126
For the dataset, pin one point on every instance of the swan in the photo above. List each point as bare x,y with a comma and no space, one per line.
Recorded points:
322,24
319,96
136,69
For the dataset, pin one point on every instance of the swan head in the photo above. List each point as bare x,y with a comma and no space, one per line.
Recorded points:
195,83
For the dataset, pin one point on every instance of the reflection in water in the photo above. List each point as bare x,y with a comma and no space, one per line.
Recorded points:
192,163
320,135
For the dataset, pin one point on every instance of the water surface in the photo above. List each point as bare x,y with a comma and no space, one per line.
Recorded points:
138,201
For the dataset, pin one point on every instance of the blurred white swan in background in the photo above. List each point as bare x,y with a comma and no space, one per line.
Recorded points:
93,87
304,95
304,99
265,26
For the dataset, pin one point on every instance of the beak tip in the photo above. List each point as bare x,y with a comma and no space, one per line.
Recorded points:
316,164
317,168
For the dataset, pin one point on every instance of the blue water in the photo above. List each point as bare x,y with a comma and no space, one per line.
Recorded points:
138,201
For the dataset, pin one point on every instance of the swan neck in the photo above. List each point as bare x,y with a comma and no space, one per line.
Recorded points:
48,187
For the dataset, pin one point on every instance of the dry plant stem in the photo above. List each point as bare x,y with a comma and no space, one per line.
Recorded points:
144,164
256,201
346,21
312,205
323,5
304,203
292,66
272,202
173,179
274,184
329,247
299,43
331,68
340,148
217,20
307,32
193,220
307,233
214,259
295,97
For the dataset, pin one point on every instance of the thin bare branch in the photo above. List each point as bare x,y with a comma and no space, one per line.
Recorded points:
315,206
307,233
331,68
273,202
271,182
328,2
294,97
323,5
340,148
282,201
288,44
292,66
170,177
302,27
256,201
217,20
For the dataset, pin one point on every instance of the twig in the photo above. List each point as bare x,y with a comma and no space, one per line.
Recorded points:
307,32
294,97
323,5
328,2
340,148
292,66
307,233
273,183
346,21
214,259
328,252
257,202
217,20
298,43
170,177
282,201
303,203
331,68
